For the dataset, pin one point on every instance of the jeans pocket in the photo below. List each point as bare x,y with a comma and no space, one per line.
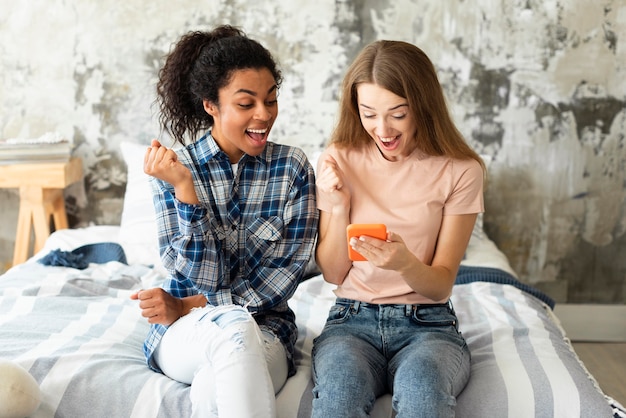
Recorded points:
435,316
338,313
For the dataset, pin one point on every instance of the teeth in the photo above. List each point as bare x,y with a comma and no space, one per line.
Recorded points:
257,131
387,139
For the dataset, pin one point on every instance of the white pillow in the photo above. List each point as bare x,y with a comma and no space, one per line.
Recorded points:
138,230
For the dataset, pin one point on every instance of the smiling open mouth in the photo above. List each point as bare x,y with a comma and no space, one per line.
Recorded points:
389,143
257,135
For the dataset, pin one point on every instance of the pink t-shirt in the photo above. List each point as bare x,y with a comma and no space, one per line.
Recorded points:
410,197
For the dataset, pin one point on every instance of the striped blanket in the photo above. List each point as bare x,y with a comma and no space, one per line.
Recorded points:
522,363
80,336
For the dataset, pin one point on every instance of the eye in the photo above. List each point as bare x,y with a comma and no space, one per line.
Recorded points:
368,115
399,116
246,105
271,102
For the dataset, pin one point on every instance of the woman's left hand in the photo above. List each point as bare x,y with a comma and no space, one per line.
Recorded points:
390,254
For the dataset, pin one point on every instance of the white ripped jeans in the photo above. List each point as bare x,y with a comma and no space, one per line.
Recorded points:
233,368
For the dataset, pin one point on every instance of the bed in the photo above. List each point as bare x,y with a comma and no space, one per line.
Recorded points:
76,331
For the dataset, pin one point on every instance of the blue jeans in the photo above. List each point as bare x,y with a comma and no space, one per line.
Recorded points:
366,350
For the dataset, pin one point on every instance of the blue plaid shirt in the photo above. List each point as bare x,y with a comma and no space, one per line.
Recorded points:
248,241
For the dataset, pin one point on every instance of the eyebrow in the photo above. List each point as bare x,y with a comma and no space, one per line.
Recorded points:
253,93
391,108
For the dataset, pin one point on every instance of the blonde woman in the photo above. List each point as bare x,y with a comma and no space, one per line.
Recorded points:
395,158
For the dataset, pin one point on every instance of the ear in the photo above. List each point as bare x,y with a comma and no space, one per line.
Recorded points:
209,107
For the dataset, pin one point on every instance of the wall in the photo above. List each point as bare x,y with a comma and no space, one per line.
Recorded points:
537,86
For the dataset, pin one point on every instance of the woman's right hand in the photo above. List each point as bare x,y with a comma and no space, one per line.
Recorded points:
158,306
330,181
162,162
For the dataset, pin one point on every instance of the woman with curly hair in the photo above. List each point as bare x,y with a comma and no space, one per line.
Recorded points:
237,222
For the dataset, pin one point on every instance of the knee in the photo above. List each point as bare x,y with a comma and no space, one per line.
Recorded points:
424,401
424,394
233,327
227,316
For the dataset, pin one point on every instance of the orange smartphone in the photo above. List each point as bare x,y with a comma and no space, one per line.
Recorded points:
371,230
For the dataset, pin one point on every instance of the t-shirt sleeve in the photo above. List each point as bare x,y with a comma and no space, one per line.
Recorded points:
467,191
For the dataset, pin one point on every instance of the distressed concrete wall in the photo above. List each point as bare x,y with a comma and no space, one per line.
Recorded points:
537,86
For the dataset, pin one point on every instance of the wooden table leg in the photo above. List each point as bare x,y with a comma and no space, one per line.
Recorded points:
41,219
55,205
37,206
24,222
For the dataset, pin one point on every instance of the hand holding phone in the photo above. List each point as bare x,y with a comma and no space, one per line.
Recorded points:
371,230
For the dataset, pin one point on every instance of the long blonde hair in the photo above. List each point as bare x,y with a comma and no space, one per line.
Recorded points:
405,70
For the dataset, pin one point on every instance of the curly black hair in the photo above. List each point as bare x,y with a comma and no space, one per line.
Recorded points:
200,64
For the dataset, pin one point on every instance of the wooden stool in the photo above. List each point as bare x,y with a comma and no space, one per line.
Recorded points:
41,198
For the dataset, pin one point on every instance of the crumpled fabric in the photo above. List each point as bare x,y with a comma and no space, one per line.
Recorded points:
79,258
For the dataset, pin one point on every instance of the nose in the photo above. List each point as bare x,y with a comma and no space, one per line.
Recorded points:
263,113
382,128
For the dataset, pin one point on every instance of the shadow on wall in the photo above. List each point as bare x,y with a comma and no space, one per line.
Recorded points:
544,241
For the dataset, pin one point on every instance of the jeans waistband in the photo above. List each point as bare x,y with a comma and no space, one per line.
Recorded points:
408,309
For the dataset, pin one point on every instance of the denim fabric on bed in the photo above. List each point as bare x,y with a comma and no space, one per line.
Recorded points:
469,274
79,258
